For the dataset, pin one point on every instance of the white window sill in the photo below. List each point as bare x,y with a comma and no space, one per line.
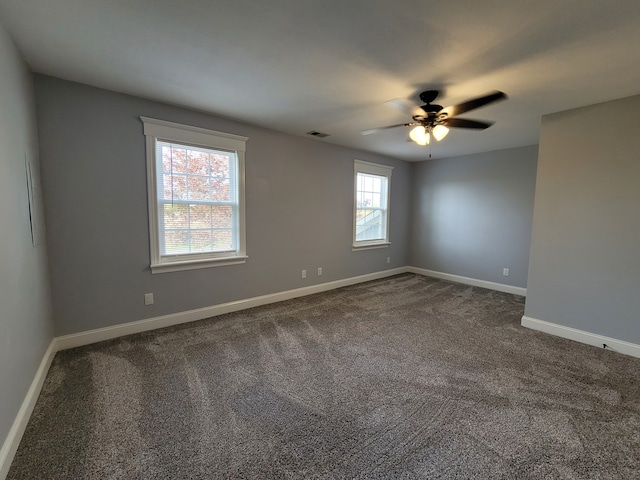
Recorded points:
195,264
370,246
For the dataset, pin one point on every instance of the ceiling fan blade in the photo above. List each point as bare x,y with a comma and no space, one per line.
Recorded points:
375,130
465,123
454,110
405,107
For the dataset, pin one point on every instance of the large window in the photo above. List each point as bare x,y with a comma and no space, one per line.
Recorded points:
371,205
196,196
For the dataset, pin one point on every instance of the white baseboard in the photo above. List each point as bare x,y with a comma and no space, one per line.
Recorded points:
107,333
500,287
115,331
11,443
582,336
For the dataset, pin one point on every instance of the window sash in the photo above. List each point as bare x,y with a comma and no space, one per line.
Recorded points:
189,234
372,186
379,226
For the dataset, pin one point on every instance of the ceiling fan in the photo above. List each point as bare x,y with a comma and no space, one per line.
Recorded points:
430,119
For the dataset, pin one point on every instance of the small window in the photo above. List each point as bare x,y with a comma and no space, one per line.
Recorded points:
195,180
371,205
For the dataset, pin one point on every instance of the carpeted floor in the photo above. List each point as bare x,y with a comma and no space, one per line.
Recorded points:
401,378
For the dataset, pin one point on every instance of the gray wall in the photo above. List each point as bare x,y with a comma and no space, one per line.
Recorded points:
472,214
299,200
584,270
25,312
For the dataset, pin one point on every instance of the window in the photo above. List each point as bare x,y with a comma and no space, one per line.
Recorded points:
371,205
195,181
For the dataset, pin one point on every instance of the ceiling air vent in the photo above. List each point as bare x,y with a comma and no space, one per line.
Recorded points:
317,134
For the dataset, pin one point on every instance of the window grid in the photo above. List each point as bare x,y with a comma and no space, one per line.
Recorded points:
184,168
371,204
369,210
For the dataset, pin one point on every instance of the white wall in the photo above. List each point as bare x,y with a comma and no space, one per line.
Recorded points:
584,269
25,313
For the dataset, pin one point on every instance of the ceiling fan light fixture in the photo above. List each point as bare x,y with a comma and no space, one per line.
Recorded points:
419,135
424,140
439,132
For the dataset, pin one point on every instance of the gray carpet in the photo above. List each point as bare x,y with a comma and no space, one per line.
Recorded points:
406,377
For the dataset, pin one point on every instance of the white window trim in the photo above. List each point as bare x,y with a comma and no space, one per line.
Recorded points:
360,166
201,137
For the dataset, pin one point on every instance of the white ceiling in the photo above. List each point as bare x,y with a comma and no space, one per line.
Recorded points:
329,65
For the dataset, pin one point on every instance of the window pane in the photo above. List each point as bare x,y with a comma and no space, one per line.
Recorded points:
222,216
175,216
198,188
176,241
177,158
220,190
201,241
360,213
174,186
166,158
368,200
220,165
220,175
197,163
200,216
222,240
368,183
369,225
375,200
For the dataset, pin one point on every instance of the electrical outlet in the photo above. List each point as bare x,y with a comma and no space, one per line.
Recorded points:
388,259
148,298
304,274
319,271
505,272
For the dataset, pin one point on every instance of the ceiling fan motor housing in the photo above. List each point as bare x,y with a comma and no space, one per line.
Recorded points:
428,96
